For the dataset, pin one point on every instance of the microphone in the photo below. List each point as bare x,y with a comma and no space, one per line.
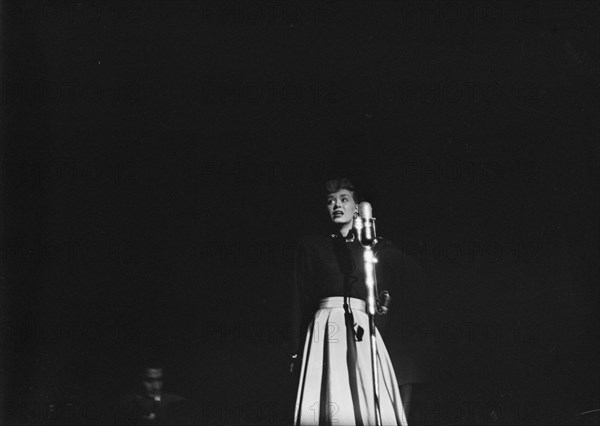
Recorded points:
367,235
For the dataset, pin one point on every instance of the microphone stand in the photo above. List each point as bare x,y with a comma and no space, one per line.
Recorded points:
370,260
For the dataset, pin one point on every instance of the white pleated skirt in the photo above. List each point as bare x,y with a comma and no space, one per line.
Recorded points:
336,382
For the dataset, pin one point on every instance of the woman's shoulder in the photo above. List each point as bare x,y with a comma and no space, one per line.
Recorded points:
384,245
313,244
386,248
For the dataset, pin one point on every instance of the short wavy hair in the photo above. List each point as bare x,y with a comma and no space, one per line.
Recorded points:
335,185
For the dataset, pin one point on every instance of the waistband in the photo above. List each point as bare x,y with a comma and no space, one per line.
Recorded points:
338,302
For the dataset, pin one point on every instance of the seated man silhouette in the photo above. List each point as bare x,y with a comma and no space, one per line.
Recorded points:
151,406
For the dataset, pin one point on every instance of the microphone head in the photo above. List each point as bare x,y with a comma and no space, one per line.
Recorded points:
365,210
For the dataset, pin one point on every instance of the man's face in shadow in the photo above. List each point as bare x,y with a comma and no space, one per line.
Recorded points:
152,379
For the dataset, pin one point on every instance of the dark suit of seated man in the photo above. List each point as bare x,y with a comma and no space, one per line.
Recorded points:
152,406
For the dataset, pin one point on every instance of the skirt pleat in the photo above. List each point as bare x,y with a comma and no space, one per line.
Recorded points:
336,385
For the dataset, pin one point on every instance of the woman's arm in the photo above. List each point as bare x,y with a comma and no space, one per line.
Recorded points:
299,303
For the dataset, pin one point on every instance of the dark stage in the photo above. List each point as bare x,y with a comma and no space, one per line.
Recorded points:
161,159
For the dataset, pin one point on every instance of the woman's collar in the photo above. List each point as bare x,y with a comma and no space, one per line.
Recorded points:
348,238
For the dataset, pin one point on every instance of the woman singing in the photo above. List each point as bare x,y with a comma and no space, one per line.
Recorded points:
336,385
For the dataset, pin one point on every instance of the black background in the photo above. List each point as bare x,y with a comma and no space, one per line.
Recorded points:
161,158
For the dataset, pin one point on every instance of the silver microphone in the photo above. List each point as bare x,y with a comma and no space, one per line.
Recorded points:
367,236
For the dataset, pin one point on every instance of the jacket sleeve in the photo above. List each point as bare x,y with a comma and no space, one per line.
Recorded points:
408,332
401,276
299,297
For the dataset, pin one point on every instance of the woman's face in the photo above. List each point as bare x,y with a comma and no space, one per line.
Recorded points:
341,206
